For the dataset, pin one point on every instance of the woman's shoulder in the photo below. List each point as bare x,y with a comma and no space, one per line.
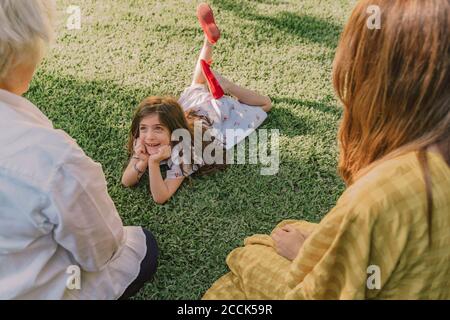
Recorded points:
38,152
31,148
403,172
395,185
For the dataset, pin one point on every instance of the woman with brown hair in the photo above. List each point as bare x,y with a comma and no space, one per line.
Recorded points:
388,235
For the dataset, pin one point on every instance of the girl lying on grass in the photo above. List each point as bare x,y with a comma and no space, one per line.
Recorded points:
151,143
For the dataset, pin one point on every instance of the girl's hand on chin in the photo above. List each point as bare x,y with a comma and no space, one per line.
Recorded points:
164,152
140,151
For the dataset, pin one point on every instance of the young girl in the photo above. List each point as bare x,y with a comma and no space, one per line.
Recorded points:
150,144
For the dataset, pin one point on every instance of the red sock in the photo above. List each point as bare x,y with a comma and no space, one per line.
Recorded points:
213,84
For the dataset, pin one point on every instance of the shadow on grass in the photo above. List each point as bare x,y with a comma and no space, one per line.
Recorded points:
98,113
95,113
319,106
296,117
306,27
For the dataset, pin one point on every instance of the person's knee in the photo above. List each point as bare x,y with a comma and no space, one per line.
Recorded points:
268,105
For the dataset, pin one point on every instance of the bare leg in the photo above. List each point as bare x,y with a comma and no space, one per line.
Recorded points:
205,54
244,95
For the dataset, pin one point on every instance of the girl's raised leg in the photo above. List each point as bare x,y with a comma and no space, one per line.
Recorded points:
205,17
205,54
244,95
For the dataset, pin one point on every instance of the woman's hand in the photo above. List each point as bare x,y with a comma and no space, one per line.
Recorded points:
288,241
164,152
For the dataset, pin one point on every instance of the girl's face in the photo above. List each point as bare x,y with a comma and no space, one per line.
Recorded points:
153,134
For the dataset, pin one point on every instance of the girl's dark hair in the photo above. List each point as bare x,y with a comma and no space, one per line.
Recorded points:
172,116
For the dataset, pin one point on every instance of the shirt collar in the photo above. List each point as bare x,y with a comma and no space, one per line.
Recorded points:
25,108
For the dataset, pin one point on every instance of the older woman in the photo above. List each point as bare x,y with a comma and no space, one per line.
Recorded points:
388,235
60,234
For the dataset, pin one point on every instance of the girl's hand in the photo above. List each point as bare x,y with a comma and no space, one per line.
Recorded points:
164,152
140,151
288,241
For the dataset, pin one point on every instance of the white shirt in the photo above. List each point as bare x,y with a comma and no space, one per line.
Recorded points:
55,212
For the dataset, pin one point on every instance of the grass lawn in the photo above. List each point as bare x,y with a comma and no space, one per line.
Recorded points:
93,78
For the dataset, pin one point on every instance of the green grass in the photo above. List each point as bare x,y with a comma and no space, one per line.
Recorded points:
93,78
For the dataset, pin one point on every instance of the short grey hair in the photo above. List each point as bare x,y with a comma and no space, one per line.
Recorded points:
26,29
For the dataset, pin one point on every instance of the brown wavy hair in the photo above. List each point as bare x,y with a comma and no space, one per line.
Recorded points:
393,83
173,117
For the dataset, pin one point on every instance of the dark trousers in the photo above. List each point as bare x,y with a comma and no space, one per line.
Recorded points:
148,267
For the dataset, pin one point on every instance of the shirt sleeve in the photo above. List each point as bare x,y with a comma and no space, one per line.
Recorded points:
332,262
86,221
352,253
175,172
